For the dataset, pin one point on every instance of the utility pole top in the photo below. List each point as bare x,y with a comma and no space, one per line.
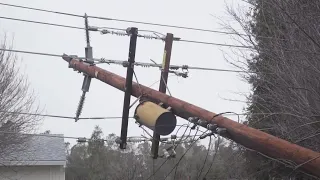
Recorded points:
132,31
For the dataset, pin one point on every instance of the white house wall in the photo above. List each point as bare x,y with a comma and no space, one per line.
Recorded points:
32,173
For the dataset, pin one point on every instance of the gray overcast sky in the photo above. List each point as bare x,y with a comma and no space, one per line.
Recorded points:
58,88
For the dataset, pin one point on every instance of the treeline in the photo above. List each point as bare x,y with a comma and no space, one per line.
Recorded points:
102,160
284,69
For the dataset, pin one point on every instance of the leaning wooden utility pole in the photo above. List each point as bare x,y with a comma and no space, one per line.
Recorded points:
163,86
249,137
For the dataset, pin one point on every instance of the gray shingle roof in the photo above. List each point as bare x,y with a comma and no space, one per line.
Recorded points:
37,148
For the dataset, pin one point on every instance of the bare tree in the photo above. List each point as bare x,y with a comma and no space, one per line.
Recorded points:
17,104
283,67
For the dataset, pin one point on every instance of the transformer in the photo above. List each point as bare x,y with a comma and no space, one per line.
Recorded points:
155,117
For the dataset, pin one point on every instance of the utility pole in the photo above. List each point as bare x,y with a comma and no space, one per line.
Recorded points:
133,32
163,86
87,79
249,137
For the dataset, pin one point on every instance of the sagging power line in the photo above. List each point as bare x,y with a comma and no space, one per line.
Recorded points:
131,139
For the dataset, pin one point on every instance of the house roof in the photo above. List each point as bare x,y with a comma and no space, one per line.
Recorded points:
37,149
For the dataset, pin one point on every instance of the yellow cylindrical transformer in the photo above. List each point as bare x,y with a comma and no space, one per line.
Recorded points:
155,117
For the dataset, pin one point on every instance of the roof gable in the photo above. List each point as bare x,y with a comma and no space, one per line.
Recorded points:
36,148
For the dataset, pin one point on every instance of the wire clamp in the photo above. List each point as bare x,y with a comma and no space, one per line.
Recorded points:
202,122
212,127
221,131
184,67
93,28
130,32
82,140
125,63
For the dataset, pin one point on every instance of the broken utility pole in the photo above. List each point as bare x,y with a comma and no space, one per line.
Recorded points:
163,86
249,137
133,32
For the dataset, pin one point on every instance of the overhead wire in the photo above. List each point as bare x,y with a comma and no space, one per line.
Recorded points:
218,143
120,20
105,31
164,25
44,23
45,135
30,52
61,117
154,172
92,28
176,163
216,44
195,135
43,10
131,21
187,126
80,139
176,166
132,139
120,62
213,157
206,158
166,84
174,141
193,143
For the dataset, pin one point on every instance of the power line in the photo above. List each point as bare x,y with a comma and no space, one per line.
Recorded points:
176,165
205,160
137,22
164,25
44,23
133,139
124,63
61,117
102,60
120,33
176,169
45,135
80,139
92,28
181,138
216,44
184,155
214,156
30,52
120,20
43,10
